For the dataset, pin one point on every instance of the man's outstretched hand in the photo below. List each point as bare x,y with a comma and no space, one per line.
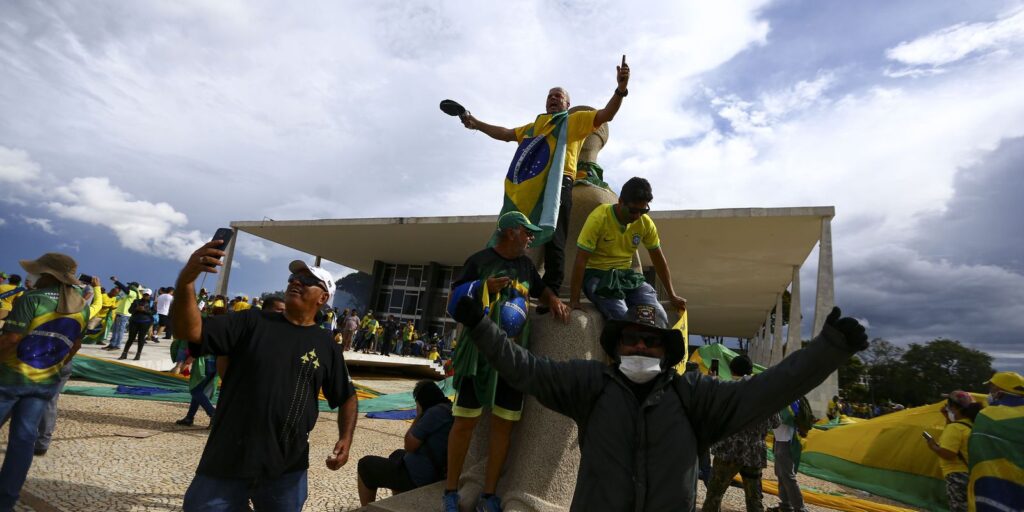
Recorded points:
855,334
468,312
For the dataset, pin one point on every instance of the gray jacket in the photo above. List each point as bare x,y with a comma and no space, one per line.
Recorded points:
643,457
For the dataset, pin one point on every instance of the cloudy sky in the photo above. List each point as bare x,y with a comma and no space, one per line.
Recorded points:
130,131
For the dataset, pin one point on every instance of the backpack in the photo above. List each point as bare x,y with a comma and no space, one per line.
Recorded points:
803,416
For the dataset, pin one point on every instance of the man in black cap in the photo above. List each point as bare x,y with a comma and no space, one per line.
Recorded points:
641,425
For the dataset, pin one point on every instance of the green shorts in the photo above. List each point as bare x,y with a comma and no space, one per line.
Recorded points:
508,402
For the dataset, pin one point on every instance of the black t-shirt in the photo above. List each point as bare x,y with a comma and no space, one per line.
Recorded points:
488,263
268,403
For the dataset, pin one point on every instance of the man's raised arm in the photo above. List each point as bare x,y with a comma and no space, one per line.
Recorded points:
607,113
495,132
727,407
188,325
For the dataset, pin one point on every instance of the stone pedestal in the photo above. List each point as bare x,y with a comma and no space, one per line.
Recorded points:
540,472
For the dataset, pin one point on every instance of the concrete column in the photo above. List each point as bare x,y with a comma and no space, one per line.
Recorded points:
316,263
431,273
225,270
777,337
755,348
825,298
766,353
378,280
793,341
823,303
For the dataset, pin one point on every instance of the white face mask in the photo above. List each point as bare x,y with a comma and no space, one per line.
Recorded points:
640,369
951,416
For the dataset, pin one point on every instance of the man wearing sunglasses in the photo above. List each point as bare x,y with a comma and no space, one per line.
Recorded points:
258,447
604,261
640,424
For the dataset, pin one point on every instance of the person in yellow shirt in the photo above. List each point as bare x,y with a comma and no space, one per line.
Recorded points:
129,293
10,290
580,124
604,262
959,411
241,304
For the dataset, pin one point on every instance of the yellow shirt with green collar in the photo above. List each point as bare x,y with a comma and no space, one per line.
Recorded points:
610,243
581,124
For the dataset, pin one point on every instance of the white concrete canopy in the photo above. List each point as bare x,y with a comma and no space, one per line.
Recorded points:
730,264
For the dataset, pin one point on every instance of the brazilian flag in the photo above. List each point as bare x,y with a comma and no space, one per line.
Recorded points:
997,459
533,184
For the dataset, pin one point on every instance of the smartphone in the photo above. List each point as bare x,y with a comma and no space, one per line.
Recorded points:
224,234
713,369
85,278
927,436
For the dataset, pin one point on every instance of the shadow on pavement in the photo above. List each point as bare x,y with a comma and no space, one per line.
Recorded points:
87,498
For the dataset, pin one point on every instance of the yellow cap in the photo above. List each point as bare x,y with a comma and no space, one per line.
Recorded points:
1011,382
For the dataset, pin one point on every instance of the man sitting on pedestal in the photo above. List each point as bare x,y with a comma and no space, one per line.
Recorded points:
603,268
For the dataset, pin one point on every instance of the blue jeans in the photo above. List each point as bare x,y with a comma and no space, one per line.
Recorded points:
615,309
49,419
120,329
199,398
25,404
286,493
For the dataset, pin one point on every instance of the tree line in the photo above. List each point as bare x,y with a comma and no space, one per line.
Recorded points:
918,375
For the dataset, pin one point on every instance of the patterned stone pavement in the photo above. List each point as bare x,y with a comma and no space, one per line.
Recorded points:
94,465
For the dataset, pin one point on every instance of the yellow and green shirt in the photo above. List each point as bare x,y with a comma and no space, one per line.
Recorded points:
610,243
581,124
48,338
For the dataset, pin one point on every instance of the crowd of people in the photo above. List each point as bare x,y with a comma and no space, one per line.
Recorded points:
386,336
646,432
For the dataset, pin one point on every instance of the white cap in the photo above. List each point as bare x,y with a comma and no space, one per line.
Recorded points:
320,273
147,291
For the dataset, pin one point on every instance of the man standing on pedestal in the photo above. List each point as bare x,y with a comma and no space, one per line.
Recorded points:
550,143
500,278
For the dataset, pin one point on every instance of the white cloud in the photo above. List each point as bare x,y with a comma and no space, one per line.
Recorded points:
44,224
954,43
3,221
16,166
151,228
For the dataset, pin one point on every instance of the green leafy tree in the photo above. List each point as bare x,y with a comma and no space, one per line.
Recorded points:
941,366
851,373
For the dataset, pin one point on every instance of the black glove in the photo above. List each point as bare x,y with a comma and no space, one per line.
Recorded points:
853,331
468,312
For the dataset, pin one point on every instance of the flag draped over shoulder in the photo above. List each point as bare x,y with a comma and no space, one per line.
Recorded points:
467,361
997,460
533,184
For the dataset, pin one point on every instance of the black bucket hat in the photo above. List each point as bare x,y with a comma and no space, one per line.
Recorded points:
644,316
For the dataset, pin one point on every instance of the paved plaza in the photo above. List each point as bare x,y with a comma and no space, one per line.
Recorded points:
121,454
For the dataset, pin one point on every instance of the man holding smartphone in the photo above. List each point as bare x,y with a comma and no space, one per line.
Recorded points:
258,447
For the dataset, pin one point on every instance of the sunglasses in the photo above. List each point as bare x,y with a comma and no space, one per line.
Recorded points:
650,339
306,280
